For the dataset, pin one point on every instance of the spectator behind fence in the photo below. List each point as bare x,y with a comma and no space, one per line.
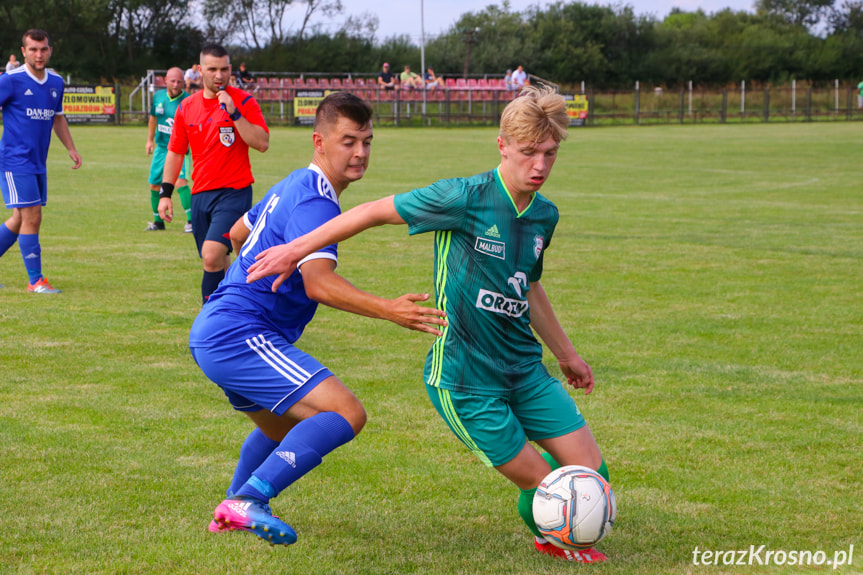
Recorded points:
245,80
519,78
12,63
410,80
860,95
386,80
193,79
510,83
432,81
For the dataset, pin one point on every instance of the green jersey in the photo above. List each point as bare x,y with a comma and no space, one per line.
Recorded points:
163,109
486,254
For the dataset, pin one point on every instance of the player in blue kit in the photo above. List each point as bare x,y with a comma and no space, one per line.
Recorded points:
32,101
243,338
485,374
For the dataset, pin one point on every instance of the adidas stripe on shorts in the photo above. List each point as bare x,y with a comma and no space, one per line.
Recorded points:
261,371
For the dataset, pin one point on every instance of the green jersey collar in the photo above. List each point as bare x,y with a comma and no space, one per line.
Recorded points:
509,195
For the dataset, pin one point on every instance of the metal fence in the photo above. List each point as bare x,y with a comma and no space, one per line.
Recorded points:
791,103
480,101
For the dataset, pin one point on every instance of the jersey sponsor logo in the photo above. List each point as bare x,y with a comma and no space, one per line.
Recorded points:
167,127
40,114
491,248
493,232
498,303
226,136
538,244
517,281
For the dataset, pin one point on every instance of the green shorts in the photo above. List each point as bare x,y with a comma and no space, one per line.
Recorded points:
495,429
157,166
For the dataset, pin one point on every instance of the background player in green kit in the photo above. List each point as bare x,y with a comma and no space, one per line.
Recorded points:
485,375
162,111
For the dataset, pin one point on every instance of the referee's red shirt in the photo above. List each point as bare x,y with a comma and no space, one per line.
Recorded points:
220,157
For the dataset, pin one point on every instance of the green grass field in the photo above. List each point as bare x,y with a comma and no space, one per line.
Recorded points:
711,275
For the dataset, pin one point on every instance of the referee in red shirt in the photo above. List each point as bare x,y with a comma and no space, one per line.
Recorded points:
219,123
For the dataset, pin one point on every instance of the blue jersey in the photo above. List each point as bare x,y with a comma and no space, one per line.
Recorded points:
295,206
29,107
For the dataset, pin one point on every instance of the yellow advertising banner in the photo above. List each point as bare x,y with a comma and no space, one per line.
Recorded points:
576,109
90,104
306,104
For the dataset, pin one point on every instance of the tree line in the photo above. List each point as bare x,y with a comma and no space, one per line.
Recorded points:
566,42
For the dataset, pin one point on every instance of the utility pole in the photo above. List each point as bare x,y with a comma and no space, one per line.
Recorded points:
469,38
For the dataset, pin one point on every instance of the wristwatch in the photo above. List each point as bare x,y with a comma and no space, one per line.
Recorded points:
235,115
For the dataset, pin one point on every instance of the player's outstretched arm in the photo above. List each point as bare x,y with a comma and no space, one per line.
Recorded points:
282,260
61,128
542,319
325,286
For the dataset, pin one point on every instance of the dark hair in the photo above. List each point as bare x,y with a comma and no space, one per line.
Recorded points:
343,104
36,35
215,50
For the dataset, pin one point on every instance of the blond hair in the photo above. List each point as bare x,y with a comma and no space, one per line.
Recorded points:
537,113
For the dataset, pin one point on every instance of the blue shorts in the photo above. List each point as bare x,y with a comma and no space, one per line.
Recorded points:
495,428
24,190
263,371
214,213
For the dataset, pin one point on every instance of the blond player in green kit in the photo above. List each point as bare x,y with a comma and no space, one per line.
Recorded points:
485,374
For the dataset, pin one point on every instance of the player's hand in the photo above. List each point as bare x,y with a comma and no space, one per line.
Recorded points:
150,147
76,159
166,209
277,260
578,373
407,313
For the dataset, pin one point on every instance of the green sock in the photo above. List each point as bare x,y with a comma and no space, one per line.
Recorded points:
186,200
525,499
154,203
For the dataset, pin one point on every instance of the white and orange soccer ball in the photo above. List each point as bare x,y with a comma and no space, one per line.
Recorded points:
574,507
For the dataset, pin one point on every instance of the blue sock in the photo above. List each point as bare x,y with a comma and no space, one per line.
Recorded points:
302,449
31,251
7,238
255,450
210,282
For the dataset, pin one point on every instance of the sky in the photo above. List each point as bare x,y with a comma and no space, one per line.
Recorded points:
398,17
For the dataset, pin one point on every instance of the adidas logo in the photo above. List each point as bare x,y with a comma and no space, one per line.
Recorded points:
239,507
30,256
289,457
28,92
492,232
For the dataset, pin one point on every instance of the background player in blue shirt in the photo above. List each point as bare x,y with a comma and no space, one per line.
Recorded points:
243,339
32,101
485,374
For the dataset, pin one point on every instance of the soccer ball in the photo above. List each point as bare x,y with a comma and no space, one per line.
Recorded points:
574,507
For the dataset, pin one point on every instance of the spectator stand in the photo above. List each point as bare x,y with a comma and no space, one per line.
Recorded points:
478,100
